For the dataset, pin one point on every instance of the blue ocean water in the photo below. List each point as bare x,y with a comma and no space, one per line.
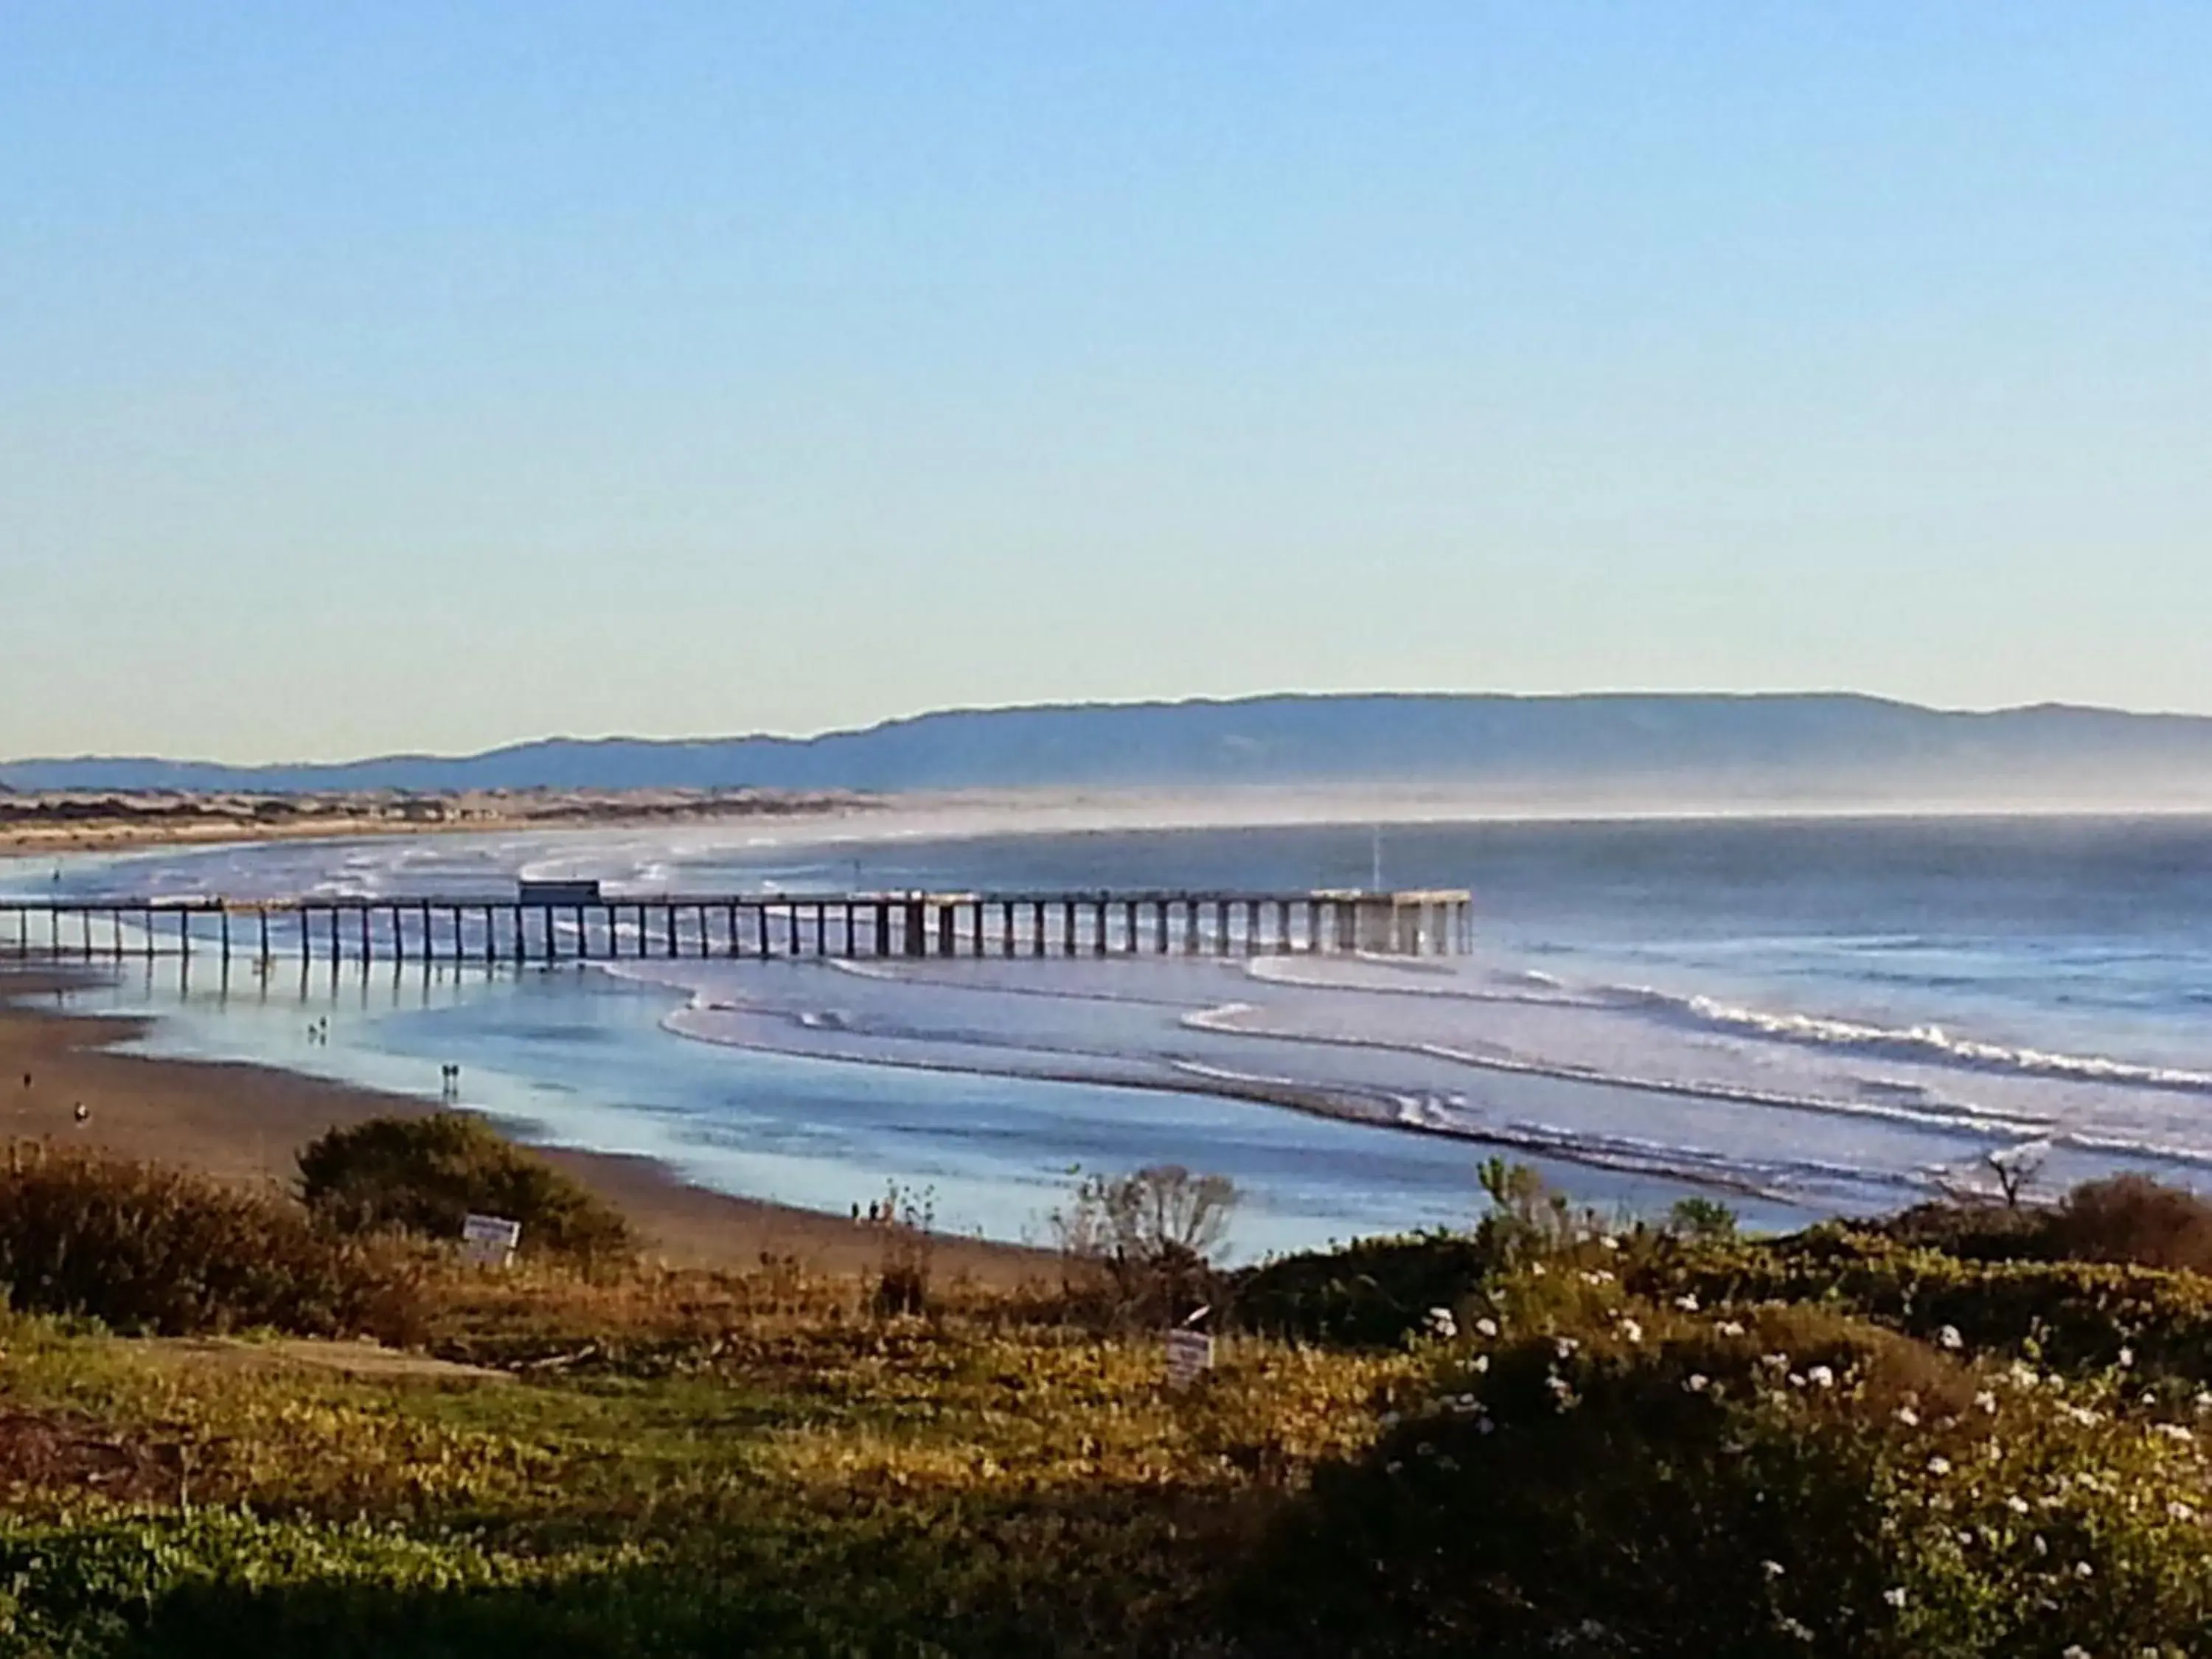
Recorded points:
1799,1015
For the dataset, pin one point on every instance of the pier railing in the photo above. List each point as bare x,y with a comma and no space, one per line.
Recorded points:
840,925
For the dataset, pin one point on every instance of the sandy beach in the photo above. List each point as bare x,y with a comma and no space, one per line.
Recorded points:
244,1123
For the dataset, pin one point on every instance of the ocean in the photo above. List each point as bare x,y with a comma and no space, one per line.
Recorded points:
1797,1016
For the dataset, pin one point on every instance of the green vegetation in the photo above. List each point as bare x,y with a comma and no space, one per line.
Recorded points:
1549,1434
425,1175
152,1250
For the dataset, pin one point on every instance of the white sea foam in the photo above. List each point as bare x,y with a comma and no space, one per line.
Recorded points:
1928,1041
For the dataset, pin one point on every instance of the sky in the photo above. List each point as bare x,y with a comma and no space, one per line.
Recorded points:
427,376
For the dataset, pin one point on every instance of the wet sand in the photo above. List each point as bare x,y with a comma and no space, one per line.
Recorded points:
244,1123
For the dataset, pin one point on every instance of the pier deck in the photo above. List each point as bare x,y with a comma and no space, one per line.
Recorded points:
506,928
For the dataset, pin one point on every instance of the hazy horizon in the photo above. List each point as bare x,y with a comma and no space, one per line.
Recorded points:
707,735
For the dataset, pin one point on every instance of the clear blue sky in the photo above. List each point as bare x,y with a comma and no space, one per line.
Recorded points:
431,375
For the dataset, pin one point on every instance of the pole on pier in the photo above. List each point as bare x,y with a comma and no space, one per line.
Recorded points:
363,914
226,935
262,916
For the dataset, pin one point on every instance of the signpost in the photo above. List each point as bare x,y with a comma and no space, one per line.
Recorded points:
490,1240
1190,1356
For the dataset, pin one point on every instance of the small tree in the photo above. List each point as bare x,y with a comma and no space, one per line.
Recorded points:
909,1220
1152,1236
425,1175
1698,1217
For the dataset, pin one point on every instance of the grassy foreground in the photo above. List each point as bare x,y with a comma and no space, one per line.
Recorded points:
1968,1433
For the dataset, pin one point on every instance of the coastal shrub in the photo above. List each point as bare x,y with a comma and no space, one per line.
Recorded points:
1596,1473
2132,1218
908,1221
1378,1293
2078,1316
2121,1218
1972,1231
148,1250
426,1175
1373,1293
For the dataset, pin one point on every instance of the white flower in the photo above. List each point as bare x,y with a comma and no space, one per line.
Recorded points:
1771,1569
2017,1504
1441,1323
2074,1650
1566,1346
1610,1241
1894,1597
1820,1377
1730,1328
1632,1330
2083,1569
1696,1382
2127,1358
1948,1337
1687,1303
1481,1362
2172,1432
1909,1417
2179,1511
1939,1467
1987,1402
1486,1325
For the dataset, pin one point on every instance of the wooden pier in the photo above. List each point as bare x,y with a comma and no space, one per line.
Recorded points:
505,929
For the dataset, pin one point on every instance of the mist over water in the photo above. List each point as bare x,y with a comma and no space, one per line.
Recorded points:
1801,1016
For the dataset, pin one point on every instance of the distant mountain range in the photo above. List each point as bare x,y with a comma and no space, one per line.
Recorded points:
1646,749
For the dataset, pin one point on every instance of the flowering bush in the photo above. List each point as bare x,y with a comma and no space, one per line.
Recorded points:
1373,1294
2080,1317
1600,1473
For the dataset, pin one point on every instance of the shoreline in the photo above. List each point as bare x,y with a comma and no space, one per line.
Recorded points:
243,1123
830,817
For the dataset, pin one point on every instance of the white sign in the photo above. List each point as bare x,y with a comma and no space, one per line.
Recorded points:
489,1240
1190,1355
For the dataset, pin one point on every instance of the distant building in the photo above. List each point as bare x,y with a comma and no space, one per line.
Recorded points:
557,892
